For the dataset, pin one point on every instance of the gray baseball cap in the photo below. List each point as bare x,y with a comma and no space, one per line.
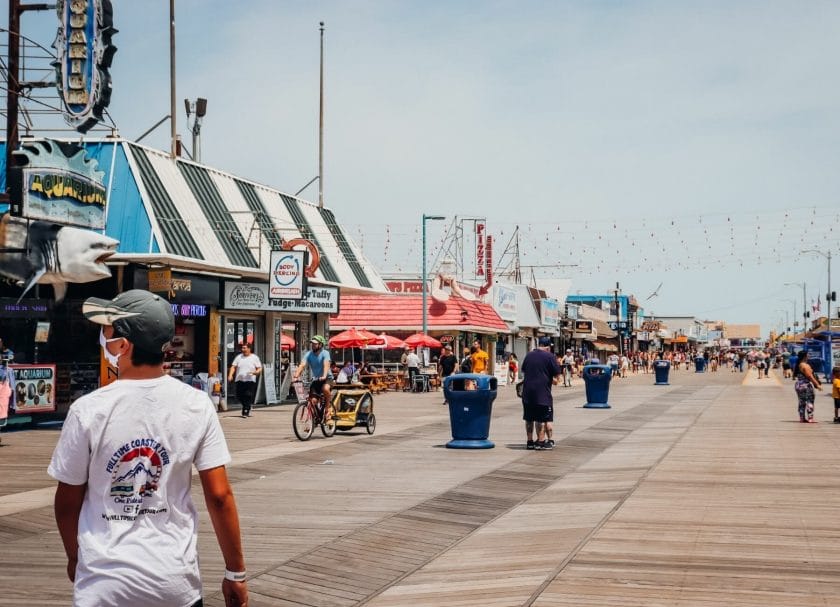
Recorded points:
143,318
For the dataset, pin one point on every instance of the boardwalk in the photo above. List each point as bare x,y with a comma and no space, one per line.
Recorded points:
706,492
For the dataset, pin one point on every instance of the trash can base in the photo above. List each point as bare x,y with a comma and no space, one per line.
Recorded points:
466,443
662,383
597,406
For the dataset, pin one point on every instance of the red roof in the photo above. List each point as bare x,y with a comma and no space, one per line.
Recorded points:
395,312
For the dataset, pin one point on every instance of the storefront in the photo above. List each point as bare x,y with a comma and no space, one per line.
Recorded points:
459,321
250,316
200,228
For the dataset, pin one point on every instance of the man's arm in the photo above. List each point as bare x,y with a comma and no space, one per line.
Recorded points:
221,506
300,368
68,506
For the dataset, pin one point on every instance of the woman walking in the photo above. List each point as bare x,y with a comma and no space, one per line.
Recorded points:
805,382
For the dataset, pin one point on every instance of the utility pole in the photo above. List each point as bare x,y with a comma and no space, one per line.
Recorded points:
12,88
173,130
321,128
618,322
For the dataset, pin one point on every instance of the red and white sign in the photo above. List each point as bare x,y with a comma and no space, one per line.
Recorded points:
480,231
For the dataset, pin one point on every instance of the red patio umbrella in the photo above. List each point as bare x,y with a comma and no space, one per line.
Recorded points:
355,338
389,342
422,340
287,342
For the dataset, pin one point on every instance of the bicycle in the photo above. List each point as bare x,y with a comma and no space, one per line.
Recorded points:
309,413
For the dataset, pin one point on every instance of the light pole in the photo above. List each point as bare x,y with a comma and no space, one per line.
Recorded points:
795,322
828,293
425,219
804,302
198,109
787,318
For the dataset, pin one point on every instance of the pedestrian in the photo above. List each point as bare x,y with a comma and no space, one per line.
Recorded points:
6,352
513,368
123,462
447,365
541,371
245,371
466,361
480,358
786,370
835,393
412,363
613,362
568,365
760,363
806,381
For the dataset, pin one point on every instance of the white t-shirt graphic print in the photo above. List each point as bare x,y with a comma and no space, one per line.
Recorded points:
134,443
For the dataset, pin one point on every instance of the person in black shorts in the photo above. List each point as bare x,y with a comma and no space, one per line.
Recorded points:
447,364
541,371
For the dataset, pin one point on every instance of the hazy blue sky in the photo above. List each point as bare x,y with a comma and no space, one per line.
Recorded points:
690,143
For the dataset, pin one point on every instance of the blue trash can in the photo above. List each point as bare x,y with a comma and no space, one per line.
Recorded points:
470,397
597,378
661,368
699,365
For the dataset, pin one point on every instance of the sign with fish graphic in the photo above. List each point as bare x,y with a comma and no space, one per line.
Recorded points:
57,181
34,388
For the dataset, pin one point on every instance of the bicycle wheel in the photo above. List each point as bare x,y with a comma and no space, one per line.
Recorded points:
302,422
371,423
328,428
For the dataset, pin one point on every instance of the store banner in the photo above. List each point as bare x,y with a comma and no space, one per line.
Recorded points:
254,296
268,384
504,302
160,281
287,278
480,232
34,388
583,326
549,313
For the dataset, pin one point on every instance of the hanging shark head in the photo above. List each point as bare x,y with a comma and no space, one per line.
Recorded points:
49,253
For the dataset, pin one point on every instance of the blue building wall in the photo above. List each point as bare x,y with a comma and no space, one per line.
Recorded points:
127,219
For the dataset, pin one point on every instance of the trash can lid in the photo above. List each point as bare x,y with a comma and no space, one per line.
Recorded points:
482,381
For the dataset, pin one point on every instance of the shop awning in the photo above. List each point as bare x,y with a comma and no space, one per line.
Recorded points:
604,346
182,214
405,312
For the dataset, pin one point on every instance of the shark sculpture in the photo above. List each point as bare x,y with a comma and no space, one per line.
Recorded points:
49,253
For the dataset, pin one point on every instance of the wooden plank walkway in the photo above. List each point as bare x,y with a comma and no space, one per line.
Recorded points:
705,492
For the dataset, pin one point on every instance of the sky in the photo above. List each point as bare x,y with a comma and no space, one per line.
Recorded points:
692,144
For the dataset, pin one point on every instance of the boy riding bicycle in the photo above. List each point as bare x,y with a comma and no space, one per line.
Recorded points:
318,361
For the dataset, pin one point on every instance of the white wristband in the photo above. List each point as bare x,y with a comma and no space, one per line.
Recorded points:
235,576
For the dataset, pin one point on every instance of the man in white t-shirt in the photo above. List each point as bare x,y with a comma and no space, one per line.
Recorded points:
412,362
245,371
124,463
613,360
569,365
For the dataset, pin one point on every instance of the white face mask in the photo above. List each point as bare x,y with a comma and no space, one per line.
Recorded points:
113,359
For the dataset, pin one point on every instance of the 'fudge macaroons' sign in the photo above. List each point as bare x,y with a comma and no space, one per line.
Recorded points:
255,296
83,56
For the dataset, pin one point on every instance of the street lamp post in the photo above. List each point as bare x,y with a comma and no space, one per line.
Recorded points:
795,322
424,285
804,303
828,293
787,318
